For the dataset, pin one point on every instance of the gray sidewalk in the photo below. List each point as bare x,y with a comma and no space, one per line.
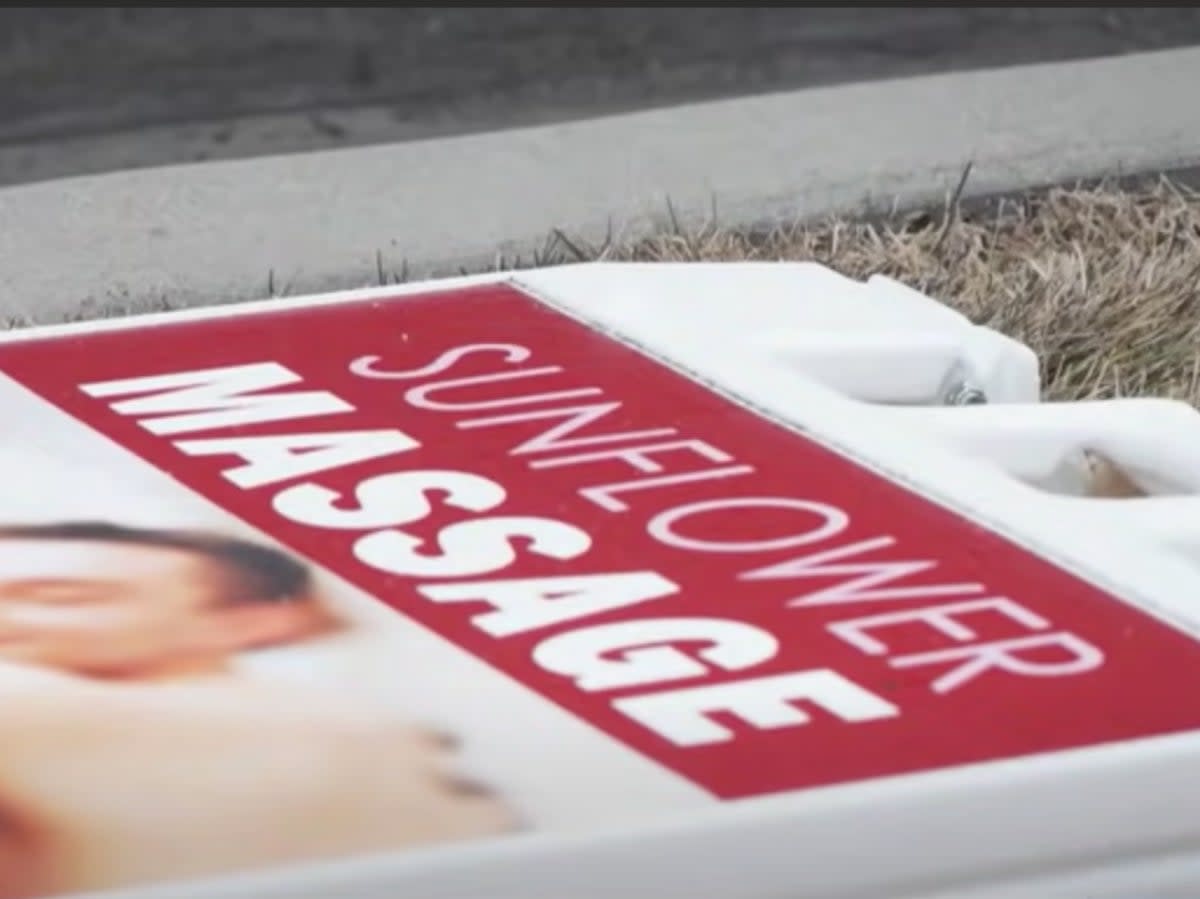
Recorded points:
88,90
232,230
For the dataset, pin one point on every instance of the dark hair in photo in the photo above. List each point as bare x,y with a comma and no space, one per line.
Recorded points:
257,573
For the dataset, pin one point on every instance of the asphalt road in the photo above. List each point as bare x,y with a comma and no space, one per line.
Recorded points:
91,90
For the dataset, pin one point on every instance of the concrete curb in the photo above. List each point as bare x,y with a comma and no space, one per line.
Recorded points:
234,230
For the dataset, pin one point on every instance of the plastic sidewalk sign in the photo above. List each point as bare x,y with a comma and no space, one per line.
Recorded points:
609,580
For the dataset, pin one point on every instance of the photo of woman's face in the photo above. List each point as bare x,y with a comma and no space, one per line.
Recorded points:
98,608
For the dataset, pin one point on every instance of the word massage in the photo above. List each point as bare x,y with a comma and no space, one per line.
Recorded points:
691,680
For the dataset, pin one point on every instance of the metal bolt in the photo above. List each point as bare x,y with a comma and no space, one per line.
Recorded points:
964,393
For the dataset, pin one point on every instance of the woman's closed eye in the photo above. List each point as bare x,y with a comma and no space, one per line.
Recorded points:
57,591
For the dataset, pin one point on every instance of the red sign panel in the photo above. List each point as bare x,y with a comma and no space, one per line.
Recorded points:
722,594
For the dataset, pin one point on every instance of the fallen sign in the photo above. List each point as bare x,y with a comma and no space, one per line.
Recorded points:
721,579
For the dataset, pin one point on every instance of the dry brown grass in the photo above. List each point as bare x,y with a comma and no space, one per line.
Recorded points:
1103,283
